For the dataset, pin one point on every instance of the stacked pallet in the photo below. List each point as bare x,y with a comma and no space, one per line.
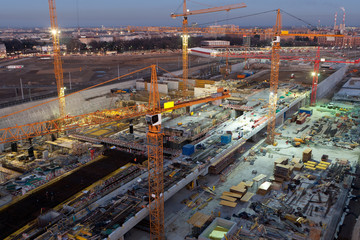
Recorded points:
228,203
237,192
307,155
240,188
301,118
264,188
282,160
283,171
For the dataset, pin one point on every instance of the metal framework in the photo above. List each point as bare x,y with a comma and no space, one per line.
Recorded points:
315,78
155,166
274,80
58,70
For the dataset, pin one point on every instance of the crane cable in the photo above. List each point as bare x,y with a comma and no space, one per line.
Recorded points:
291,15
249,15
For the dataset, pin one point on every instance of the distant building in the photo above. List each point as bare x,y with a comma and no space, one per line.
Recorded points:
215,43
106,38
346,41
2,50
246,41
49,48
87,40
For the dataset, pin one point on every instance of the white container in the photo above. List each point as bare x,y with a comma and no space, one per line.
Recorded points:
218,222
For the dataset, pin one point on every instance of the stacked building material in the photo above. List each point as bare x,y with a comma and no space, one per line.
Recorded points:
282,160
301,118
283,171
238,189
264,188
307,155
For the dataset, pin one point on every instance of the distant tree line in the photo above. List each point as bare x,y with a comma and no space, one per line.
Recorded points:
172,43
16,45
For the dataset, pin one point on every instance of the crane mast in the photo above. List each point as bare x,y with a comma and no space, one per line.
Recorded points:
58,71
185,42
155,162
274,79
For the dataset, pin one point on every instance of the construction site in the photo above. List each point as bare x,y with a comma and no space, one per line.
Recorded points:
213,142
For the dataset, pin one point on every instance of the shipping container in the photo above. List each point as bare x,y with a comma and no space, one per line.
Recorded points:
188,149
226,138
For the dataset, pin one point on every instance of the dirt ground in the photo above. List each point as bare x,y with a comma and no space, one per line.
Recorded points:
83,70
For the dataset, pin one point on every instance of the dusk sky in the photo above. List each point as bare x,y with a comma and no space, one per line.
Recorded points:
35,13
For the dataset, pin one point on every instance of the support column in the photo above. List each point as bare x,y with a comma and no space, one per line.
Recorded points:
2,147
279,120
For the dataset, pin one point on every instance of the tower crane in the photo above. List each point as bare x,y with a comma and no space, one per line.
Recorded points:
274,75
185,36
274,79
155,162
58,70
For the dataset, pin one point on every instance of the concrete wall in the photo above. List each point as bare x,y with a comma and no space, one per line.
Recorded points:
325,88
199,92
172,84
80,103
140,85
163,88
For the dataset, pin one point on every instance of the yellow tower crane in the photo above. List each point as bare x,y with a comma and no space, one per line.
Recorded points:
274,79
185,36
58,71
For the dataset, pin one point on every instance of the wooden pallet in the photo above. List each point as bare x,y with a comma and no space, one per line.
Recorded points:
228,204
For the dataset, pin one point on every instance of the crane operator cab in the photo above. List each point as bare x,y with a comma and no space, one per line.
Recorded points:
276,39
153,120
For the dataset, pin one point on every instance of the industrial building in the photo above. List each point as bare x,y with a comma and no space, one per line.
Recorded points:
249,143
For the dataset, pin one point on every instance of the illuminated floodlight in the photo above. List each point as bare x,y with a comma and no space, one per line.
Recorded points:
54,31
